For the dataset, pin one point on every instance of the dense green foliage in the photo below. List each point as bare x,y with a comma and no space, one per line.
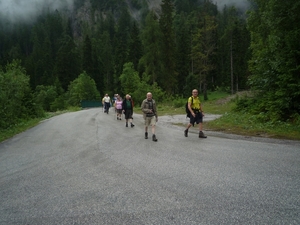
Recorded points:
275,62
118,46
82,88
16,100
135,86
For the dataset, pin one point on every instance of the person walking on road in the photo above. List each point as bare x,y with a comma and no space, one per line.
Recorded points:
150,115
118,106
195,107
106,103
127,107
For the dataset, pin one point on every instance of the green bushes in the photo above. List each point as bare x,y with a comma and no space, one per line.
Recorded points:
82,88
138,88
19,103
271,111
177,103
45,95
16,102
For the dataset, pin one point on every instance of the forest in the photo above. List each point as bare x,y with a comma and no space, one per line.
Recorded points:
82,50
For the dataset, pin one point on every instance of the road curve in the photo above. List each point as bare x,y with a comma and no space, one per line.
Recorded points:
86,167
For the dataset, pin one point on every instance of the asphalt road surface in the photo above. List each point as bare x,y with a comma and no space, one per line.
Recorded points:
86,167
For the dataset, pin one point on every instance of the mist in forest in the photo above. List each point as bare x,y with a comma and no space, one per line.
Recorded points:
28,10
241,4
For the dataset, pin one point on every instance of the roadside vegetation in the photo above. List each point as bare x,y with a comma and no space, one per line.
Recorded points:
26,124
219,102
238,122
55,63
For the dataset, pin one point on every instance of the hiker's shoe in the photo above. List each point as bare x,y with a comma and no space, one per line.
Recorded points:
186,132
201,135
126,124
154,137
146,135
132,125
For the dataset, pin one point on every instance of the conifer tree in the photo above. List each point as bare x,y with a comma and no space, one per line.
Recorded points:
204,46
183,49
135,46
168,78
87,59
150,62
121,44
275,59
67,66
105,58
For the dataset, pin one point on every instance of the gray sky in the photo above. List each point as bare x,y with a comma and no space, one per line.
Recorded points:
27,10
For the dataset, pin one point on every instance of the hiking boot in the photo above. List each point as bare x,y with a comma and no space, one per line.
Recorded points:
132,125
154,137
146,135
126,124
186,132
201,135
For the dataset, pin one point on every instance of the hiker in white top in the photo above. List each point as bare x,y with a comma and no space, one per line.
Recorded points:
106,103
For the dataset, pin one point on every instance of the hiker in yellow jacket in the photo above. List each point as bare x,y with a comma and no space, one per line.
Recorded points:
195,107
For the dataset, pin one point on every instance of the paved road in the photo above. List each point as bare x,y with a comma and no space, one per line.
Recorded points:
87,168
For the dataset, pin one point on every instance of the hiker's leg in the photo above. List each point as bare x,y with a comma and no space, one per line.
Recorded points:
153,129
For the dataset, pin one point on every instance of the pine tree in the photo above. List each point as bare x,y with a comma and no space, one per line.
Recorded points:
87,59
67,66
183,49
204,46
105,59
135,46
168,78
275,58
150,62
121,44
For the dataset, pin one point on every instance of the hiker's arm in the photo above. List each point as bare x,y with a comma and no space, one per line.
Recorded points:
144,110
201,110
155,111
190,108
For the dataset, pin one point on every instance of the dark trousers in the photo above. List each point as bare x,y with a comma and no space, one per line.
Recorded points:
106,106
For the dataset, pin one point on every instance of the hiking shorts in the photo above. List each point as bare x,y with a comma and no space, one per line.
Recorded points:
150,121
128,114
197,119
119,111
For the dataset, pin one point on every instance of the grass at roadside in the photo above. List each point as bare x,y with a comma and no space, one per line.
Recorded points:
25,125
246,124
18,128
234,122
213,105
218,103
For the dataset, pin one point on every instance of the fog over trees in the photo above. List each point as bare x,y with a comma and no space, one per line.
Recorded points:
172,47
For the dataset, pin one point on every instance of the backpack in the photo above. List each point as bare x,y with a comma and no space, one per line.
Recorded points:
188,113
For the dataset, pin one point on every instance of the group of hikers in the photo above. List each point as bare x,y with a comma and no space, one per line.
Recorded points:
149,109
121,106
